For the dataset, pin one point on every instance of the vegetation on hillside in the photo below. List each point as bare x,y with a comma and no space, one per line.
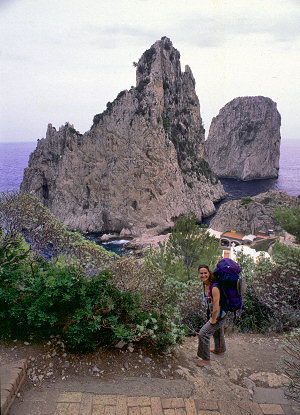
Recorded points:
290,220
53,281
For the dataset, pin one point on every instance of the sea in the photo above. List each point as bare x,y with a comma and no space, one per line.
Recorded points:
14,158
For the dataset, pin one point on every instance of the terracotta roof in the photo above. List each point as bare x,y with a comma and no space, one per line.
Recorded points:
232,235
266,236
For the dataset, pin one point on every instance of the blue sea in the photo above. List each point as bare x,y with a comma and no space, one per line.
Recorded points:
288,179
14,158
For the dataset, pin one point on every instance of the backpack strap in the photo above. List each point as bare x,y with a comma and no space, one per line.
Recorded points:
215,284
212,285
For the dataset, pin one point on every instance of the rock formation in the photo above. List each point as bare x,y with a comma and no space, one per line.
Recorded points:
252,214
139,166
244,139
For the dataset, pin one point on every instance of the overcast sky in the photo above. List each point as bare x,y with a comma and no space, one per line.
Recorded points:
63,60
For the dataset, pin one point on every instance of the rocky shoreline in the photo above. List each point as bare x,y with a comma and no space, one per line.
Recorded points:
246,215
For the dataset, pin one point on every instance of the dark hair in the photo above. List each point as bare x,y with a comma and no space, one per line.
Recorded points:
211,277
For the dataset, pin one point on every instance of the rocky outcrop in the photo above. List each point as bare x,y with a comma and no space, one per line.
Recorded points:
244,139
252,214
141,163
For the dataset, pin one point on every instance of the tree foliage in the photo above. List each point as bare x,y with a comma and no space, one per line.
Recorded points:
290,220
187,246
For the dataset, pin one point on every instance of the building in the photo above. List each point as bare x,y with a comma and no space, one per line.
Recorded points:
232,242
232,238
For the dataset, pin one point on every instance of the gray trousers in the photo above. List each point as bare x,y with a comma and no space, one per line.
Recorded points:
208,330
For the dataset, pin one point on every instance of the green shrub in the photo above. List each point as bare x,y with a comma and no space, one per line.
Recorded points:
142,84
290,220
85,312
245,200
263,245
255,318
290,364
272,297
266,200
148,54
166,123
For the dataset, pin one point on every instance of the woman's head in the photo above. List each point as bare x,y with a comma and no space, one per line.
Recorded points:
205,274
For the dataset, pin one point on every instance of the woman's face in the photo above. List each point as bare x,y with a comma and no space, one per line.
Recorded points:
204,275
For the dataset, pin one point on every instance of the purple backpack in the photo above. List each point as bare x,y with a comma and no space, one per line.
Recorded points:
230,284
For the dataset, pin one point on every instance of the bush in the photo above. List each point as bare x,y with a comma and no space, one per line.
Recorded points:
245,200
85,312
159,293
272,298
166,123
140,277
142,84
290,220
263,245
290,364
266,200
148,54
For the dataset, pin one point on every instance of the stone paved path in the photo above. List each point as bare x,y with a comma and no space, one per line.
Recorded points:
57,402
78,403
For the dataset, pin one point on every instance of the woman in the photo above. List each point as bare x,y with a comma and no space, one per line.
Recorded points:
215,325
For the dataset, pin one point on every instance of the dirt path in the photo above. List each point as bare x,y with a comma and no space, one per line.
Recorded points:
250,360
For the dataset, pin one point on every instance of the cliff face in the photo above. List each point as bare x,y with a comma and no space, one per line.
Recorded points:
139,166
250,215
244,139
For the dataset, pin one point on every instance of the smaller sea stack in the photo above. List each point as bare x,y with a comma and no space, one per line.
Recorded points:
244,139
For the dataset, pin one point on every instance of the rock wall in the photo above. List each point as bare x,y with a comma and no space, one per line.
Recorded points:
244,139
141,163
252,214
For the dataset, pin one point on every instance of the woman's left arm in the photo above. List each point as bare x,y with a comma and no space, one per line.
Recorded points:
216,305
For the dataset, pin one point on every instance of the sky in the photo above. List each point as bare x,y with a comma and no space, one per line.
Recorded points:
63,60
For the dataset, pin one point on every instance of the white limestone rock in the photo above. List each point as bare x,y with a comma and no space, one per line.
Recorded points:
244,139
139,166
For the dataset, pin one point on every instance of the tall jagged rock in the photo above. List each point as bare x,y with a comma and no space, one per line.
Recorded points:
244,139
141,163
